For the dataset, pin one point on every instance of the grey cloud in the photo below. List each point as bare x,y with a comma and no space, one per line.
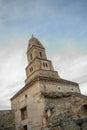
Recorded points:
12,73
15,84
13,64
72,66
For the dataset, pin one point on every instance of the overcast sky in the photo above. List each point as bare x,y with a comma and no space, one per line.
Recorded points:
60,25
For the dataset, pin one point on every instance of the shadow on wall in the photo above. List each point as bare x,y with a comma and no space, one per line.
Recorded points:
84,110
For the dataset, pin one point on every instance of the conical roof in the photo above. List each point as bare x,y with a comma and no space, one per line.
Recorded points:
34,42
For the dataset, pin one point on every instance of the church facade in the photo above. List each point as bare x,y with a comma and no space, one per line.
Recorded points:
44,91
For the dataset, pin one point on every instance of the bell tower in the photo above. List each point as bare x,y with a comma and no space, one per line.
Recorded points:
44,91
38,64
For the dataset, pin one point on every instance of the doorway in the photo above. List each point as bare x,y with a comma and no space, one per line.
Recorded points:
25,127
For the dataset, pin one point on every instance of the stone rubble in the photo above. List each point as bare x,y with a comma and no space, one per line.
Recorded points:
71,114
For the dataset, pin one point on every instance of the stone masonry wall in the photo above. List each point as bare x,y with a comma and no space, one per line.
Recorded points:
7,120
31,99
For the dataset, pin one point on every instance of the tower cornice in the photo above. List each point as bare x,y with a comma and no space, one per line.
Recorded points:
28,50
46,79
39,59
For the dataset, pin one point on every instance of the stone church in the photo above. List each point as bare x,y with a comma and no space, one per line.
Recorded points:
47,102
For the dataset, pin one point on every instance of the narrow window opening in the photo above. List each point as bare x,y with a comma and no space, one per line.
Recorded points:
46,65
24,113
40,54
31,69
72,89
31,56
43,64
26,96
